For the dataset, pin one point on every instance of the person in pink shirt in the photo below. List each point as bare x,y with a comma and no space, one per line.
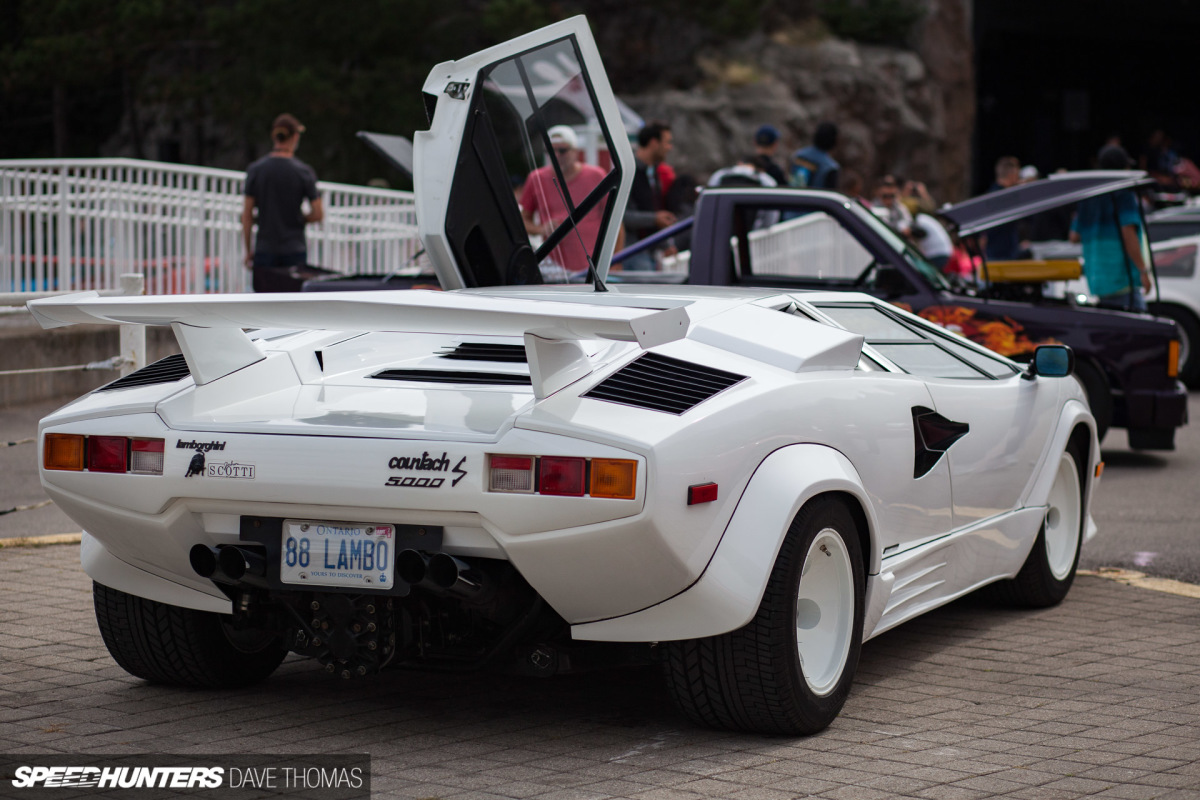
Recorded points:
544,209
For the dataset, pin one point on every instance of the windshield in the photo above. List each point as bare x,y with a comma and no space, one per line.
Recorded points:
555,151
898,243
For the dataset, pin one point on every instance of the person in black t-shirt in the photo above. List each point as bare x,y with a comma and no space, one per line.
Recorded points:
276,186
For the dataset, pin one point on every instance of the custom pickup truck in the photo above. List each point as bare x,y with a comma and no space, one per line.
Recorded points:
809,239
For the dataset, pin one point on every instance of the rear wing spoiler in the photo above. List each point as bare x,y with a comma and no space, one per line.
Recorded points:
209,327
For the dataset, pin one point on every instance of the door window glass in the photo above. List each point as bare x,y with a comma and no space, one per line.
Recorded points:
534,187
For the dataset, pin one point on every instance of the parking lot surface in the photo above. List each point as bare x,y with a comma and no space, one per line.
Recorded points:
1099,697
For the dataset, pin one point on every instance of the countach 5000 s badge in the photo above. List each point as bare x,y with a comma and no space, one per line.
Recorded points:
424,463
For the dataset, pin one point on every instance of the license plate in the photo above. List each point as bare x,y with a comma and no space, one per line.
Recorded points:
349,554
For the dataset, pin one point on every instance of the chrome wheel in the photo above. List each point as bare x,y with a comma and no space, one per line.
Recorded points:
825,600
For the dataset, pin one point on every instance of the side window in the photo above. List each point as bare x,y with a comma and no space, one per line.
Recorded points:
804,245
916,349
1175,262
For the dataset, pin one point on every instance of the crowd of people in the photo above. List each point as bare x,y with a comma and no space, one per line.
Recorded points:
281,196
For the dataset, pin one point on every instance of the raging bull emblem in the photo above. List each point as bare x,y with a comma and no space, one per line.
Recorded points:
197,465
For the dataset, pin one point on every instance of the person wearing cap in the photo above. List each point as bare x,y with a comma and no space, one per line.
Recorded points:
544,206
766,143
276,187
1110,229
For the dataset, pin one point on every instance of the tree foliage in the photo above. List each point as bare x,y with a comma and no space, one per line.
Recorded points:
201,82
217,72
872,21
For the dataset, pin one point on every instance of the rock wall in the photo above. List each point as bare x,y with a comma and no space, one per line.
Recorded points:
909,112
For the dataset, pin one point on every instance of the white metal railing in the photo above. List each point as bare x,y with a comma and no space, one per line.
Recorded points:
76,224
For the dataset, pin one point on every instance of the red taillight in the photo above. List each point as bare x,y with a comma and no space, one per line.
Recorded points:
120,454
561,475
564,476
107,453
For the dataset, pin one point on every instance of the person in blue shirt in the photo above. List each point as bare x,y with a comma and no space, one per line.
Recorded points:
1110,229
813,167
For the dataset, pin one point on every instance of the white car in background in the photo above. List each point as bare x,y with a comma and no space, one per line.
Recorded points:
743,484
1174,239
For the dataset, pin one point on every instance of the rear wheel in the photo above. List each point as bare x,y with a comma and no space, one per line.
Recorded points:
1049,571
181,646
789,670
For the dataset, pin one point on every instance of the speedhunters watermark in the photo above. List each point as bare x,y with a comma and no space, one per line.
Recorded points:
303,777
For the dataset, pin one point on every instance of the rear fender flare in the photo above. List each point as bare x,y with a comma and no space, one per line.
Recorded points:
1074,414
105,568
727,594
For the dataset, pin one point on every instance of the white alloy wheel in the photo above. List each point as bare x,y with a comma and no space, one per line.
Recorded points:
825,612
789,670
1063,518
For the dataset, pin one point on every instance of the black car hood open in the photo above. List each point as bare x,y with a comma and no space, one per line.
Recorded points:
988,211
396,150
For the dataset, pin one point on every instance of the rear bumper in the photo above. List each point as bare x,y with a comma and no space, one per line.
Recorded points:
1153,408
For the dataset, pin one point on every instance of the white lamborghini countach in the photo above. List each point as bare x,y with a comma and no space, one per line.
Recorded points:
742,485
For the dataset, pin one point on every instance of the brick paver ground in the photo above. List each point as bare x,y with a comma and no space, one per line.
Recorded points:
1099,697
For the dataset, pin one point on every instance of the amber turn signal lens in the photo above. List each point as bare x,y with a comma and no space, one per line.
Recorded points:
62,451
614,477
1173,359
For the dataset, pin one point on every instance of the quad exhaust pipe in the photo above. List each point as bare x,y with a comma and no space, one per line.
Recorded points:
238,562
443,573
229,564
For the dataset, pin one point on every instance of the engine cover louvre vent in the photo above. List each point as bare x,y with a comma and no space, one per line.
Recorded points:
165,370
485,351
454,376
661,383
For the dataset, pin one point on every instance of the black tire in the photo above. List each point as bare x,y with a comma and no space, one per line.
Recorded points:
752,679
1099,395
180,646
1189,340
1049,570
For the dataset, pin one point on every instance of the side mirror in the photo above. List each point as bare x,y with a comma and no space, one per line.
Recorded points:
1052,361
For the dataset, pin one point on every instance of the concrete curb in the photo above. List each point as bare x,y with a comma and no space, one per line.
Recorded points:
42,541
1131,577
